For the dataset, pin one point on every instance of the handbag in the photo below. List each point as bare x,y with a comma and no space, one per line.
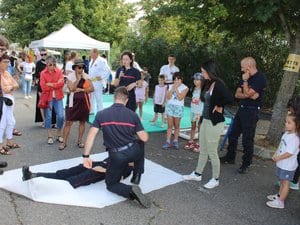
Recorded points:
28,76
44,100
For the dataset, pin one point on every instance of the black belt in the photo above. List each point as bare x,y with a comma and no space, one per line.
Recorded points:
119,149
250,107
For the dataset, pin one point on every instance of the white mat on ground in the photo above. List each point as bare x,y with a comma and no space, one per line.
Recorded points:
95,195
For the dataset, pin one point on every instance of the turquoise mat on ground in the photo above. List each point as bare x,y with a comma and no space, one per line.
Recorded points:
148,114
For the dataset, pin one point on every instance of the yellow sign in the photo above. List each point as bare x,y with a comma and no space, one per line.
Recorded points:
292,63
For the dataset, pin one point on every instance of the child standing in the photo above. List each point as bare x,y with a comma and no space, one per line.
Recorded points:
141,94
159,100
286,161
196,112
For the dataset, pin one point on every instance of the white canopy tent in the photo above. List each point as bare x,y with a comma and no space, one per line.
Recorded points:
69,37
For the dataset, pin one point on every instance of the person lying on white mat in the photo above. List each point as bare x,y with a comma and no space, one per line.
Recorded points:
78,175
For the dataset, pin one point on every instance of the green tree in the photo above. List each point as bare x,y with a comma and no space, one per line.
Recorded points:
24,21
214,23
280,17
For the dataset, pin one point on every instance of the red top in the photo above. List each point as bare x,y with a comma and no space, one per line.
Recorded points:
56,78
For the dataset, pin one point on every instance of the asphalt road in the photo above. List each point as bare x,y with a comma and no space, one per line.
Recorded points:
240,199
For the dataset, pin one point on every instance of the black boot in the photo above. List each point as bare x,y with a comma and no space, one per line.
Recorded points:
136,178
3,164
136,194
1,172
27,175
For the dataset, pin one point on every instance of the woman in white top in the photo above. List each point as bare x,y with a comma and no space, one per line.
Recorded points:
28,69
70,63
174,109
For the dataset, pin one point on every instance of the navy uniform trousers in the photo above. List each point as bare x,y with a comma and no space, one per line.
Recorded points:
244,123
80,176
118,163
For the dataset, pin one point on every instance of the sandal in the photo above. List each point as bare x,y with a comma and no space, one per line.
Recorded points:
4,151
62,146
50,140
17,132
12,146
80,145
60,139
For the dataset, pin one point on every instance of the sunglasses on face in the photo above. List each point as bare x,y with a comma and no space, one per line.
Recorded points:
43,54
80,67
50,64
3,49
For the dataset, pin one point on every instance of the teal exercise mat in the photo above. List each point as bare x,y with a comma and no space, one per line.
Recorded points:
148,114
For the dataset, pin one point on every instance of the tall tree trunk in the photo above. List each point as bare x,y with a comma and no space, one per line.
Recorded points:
285,92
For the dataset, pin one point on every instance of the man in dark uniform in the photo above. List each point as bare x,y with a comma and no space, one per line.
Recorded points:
119,126
250,92
77,176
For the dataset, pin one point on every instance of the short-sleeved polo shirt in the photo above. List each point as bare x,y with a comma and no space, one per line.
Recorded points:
119,125
258,83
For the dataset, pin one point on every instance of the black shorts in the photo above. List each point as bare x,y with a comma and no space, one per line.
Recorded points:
159,108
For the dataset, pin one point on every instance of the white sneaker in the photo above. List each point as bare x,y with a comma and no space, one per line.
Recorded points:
29,96
294,186
278,204
272,197
192,176
212,183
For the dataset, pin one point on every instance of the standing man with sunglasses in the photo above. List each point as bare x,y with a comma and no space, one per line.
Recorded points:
4,44
99,73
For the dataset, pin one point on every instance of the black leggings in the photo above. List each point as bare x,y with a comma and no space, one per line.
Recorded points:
297,173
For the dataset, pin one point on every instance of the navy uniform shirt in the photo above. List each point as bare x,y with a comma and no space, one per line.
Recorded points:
119,125
258,83
131,75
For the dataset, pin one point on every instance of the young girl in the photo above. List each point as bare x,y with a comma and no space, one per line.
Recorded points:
175,109
159,100
141,94
294,108
286,160
196,112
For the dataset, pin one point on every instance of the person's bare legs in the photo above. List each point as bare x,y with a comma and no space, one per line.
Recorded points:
176,127
284,189
170,126
81,131
66,133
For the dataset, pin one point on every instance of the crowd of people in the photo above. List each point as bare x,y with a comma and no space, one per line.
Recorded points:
82,82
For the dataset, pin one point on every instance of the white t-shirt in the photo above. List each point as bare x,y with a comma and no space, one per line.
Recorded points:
140,92
174,100
160,94
27,67
168,71
289,143
68,67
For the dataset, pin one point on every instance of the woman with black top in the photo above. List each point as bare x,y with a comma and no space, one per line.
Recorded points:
127,76
215,96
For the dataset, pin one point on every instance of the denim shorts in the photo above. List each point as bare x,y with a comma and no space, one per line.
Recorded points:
284,174
174,110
